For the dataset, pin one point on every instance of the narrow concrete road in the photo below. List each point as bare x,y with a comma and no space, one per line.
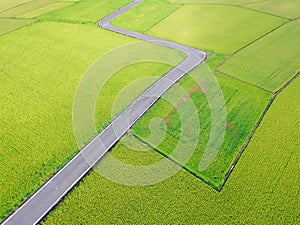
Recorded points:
41,202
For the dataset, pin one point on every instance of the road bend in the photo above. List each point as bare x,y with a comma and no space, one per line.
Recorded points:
49,195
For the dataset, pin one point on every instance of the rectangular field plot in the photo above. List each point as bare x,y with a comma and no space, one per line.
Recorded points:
45,9
264,187
25,8
7,25
289,9
68,0
271,61
145,15
244,105
218,29
37,97
233,2
8,4
88,11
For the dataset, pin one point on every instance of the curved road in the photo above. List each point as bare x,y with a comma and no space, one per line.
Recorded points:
42,201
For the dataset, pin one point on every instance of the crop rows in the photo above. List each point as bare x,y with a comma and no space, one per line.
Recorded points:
263,188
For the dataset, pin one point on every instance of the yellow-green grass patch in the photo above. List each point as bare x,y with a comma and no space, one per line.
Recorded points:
119,90
145,15
8,4
24,8
88,11
263,188
41,66
7,25
68,0
289,9
45,9
217,28
233,2
269,62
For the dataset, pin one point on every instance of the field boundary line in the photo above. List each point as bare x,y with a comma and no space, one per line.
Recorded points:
16,6
270,103
67,21
33,21
250,3
245,82
183,167
180,6
47,197
238,6
228,57
261,37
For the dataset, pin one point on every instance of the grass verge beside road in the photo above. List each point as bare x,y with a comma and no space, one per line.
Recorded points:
145,15
37,96
244,105
263,188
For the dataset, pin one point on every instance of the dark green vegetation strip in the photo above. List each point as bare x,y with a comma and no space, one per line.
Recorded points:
263,188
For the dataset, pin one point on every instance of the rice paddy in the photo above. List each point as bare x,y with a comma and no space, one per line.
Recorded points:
46,47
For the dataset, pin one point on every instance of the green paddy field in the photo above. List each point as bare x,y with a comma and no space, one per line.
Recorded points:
46,46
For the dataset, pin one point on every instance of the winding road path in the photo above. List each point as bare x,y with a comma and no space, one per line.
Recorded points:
43,200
